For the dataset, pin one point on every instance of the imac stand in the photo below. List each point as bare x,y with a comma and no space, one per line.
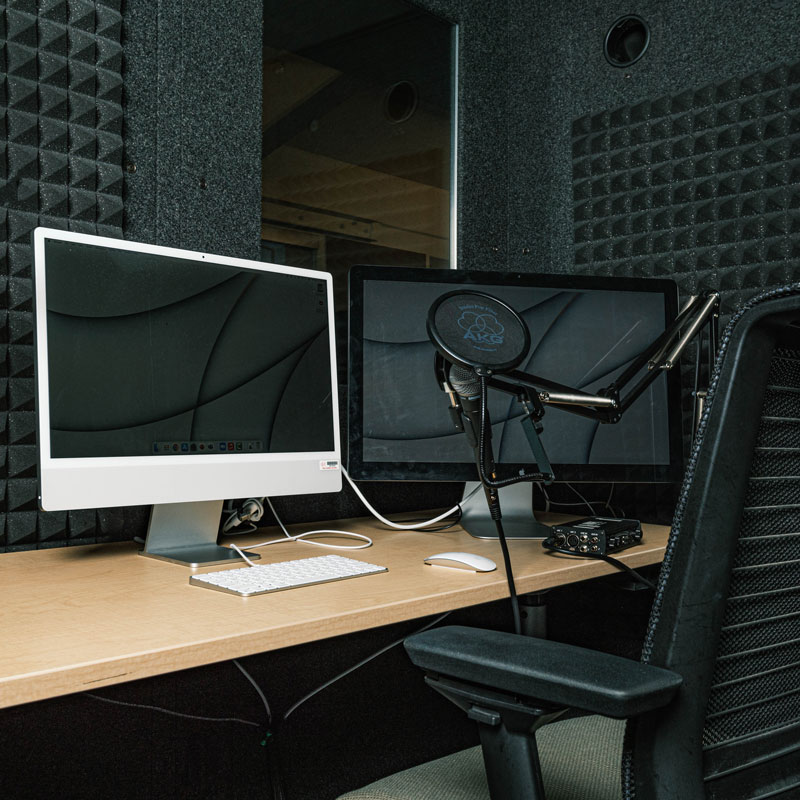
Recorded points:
519,521
186,534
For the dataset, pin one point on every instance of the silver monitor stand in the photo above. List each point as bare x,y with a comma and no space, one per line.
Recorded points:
516,504
186,533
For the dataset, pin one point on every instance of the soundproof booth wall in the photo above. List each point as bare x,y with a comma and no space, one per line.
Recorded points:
143,120
61,152
682,163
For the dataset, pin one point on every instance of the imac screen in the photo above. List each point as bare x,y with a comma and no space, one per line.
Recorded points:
152,355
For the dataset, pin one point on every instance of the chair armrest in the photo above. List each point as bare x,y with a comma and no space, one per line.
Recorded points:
558,674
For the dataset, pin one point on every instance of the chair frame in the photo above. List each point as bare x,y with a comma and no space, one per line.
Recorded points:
511,685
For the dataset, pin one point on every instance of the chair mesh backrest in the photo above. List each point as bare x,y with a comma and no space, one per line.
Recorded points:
756,683
726,614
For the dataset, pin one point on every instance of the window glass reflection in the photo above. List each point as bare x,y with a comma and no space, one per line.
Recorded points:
358,103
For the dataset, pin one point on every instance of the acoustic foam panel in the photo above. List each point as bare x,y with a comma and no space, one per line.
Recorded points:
60,166
558,73
702,185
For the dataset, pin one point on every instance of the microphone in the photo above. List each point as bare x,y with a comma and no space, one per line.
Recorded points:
477,335
467,385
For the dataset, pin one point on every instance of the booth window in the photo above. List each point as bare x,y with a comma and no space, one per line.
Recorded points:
358,110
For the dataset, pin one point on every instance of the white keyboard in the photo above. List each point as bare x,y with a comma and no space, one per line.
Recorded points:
247,581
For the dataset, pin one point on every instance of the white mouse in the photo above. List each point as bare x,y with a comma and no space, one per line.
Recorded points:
462,561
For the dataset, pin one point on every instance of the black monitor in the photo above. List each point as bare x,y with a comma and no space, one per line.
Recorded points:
584,331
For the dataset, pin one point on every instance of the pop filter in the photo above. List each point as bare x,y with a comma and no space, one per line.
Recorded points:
478,331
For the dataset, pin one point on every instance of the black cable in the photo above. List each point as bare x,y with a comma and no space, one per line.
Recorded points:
621,565
170,712
273,763
446,526
609,559
363,662
512,589
696,386
494,507
481,460
441,528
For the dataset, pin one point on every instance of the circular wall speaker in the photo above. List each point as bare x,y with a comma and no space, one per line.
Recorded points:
400,102
626,41
479,331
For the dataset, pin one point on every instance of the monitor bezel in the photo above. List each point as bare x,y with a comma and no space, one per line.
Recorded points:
359,469
97,482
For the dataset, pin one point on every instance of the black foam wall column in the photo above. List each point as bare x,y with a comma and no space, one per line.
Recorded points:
193,124
60,166
174,158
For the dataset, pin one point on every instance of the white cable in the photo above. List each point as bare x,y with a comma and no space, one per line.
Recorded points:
252,510
249,529
301,537
257,688
170,712
405,526
232,521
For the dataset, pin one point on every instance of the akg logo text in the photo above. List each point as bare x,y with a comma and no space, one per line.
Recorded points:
481,326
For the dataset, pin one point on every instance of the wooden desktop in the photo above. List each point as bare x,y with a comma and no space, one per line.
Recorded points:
80,618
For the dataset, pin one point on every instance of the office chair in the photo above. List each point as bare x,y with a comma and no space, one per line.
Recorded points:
712,710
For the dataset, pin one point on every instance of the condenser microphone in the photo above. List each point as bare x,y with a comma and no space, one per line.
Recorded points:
465,382
476,330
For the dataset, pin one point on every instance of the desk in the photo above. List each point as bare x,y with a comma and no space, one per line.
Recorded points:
81,618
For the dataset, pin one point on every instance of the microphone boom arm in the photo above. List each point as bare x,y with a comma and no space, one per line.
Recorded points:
609,404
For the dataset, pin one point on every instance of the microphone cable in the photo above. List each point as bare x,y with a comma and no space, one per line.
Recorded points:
512,589
484,423
493,500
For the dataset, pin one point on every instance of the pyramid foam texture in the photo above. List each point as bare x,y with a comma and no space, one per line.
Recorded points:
61,151
702,186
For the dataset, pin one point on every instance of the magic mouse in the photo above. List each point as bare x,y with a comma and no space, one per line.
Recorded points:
462,561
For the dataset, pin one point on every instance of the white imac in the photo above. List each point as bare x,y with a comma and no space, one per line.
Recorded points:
179,379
